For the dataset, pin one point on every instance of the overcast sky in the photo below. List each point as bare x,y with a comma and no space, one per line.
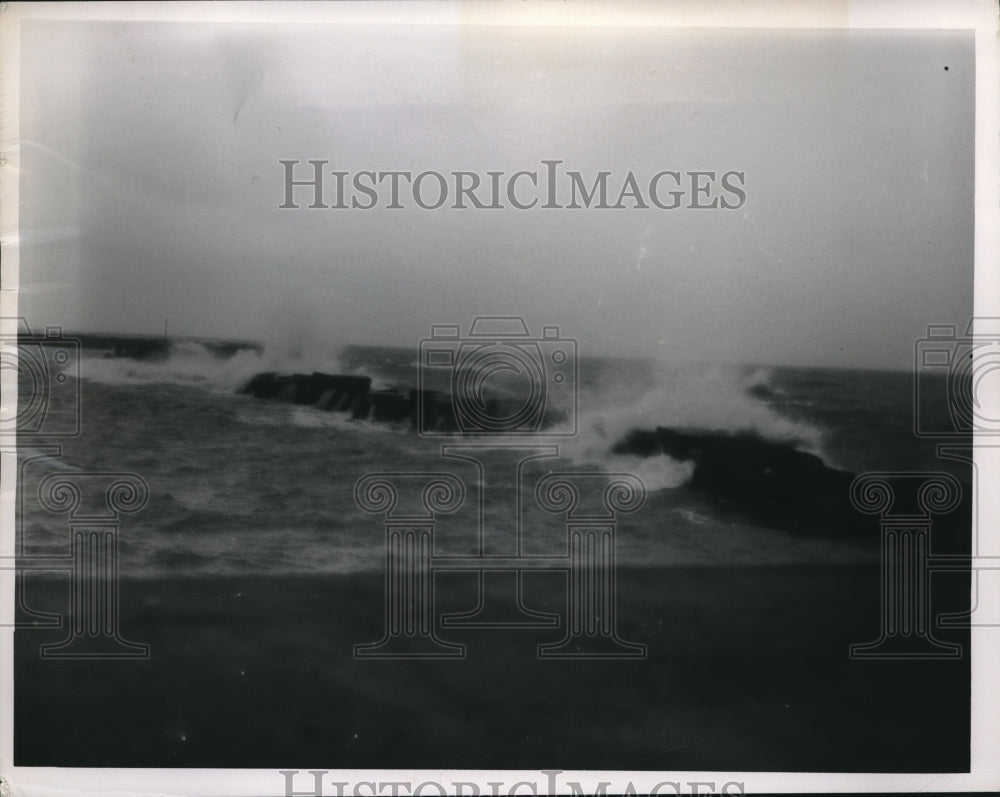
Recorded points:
151,184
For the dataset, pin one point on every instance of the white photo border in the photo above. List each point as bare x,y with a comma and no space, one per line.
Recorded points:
980,16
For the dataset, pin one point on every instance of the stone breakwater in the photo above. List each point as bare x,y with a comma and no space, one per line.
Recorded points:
428,410
744,474
770,482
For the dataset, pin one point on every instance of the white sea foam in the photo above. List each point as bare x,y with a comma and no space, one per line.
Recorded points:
695,397
618,397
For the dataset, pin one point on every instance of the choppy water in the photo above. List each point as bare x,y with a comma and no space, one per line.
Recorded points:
241,485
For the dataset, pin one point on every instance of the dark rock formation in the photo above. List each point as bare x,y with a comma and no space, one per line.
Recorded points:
138,347
342,393
386,406
311,388
326,391
434,410
771,483
266,385
429,411
336,393
762,392
153,350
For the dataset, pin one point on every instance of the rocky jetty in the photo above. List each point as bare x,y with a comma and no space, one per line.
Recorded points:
429,410
155,349
768,482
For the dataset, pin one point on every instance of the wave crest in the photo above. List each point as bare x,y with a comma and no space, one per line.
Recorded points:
724,399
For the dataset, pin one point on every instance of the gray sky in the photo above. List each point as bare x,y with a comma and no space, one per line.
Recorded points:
151,184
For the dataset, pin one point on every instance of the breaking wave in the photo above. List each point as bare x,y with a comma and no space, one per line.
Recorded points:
728,400
616,397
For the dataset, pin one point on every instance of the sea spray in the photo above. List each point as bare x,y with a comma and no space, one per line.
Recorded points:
644,396
193,364
189,363
616,396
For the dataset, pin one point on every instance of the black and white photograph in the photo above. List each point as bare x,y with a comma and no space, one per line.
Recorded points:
498,399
